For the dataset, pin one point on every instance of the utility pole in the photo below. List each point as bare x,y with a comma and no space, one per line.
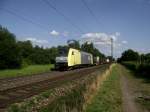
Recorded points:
111,48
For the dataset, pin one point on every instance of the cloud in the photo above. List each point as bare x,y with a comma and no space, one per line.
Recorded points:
124,42
37,41
54,33
100,38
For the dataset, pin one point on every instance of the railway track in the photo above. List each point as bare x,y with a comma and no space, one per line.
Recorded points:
17,89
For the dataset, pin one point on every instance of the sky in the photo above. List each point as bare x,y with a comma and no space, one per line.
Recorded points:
52,22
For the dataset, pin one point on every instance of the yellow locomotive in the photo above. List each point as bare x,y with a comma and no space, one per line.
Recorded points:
72,58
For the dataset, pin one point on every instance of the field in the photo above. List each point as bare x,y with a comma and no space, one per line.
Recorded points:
30,70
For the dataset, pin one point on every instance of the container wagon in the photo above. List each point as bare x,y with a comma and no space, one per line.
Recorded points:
96,60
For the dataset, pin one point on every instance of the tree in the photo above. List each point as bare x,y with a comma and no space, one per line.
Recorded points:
129,55
88,47
53,52
74,44
26,49
10,56
42,55
39,56
147,58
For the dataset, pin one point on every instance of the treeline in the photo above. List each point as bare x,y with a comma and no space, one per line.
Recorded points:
131,55
140,63
17,54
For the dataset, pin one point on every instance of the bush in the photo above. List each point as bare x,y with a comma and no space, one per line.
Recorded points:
26,62
131,65
144,69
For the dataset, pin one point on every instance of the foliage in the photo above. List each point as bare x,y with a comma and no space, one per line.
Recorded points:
129,55
91,49
130,65
10,56
37,55
138,63
147,57
144,69
17,54
26,50
141,70
74,44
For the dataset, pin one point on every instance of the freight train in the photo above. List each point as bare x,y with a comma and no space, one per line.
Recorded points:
72,58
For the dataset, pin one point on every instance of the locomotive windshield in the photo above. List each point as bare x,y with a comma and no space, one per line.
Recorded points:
63,51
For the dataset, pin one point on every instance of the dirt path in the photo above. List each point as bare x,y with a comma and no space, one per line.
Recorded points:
127,96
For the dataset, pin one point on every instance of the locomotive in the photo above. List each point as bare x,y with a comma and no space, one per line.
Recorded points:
69,58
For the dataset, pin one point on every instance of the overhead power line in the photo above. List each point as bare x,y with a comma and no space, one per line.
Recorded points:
90,11
24,19
63,15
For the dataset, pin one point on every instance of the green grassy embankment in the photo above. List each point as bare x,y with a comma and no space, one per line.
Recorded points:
108,98
30,70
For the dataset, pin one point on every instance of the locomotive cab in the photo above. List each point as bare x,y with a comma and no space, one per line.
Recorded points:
61,61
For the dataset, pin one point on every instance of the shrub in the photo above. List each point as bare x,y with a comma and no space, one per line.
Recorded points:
131,65
144,69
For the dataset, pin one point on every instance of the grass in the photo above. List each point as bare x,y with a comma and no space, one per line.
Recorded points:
108,98
30,70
